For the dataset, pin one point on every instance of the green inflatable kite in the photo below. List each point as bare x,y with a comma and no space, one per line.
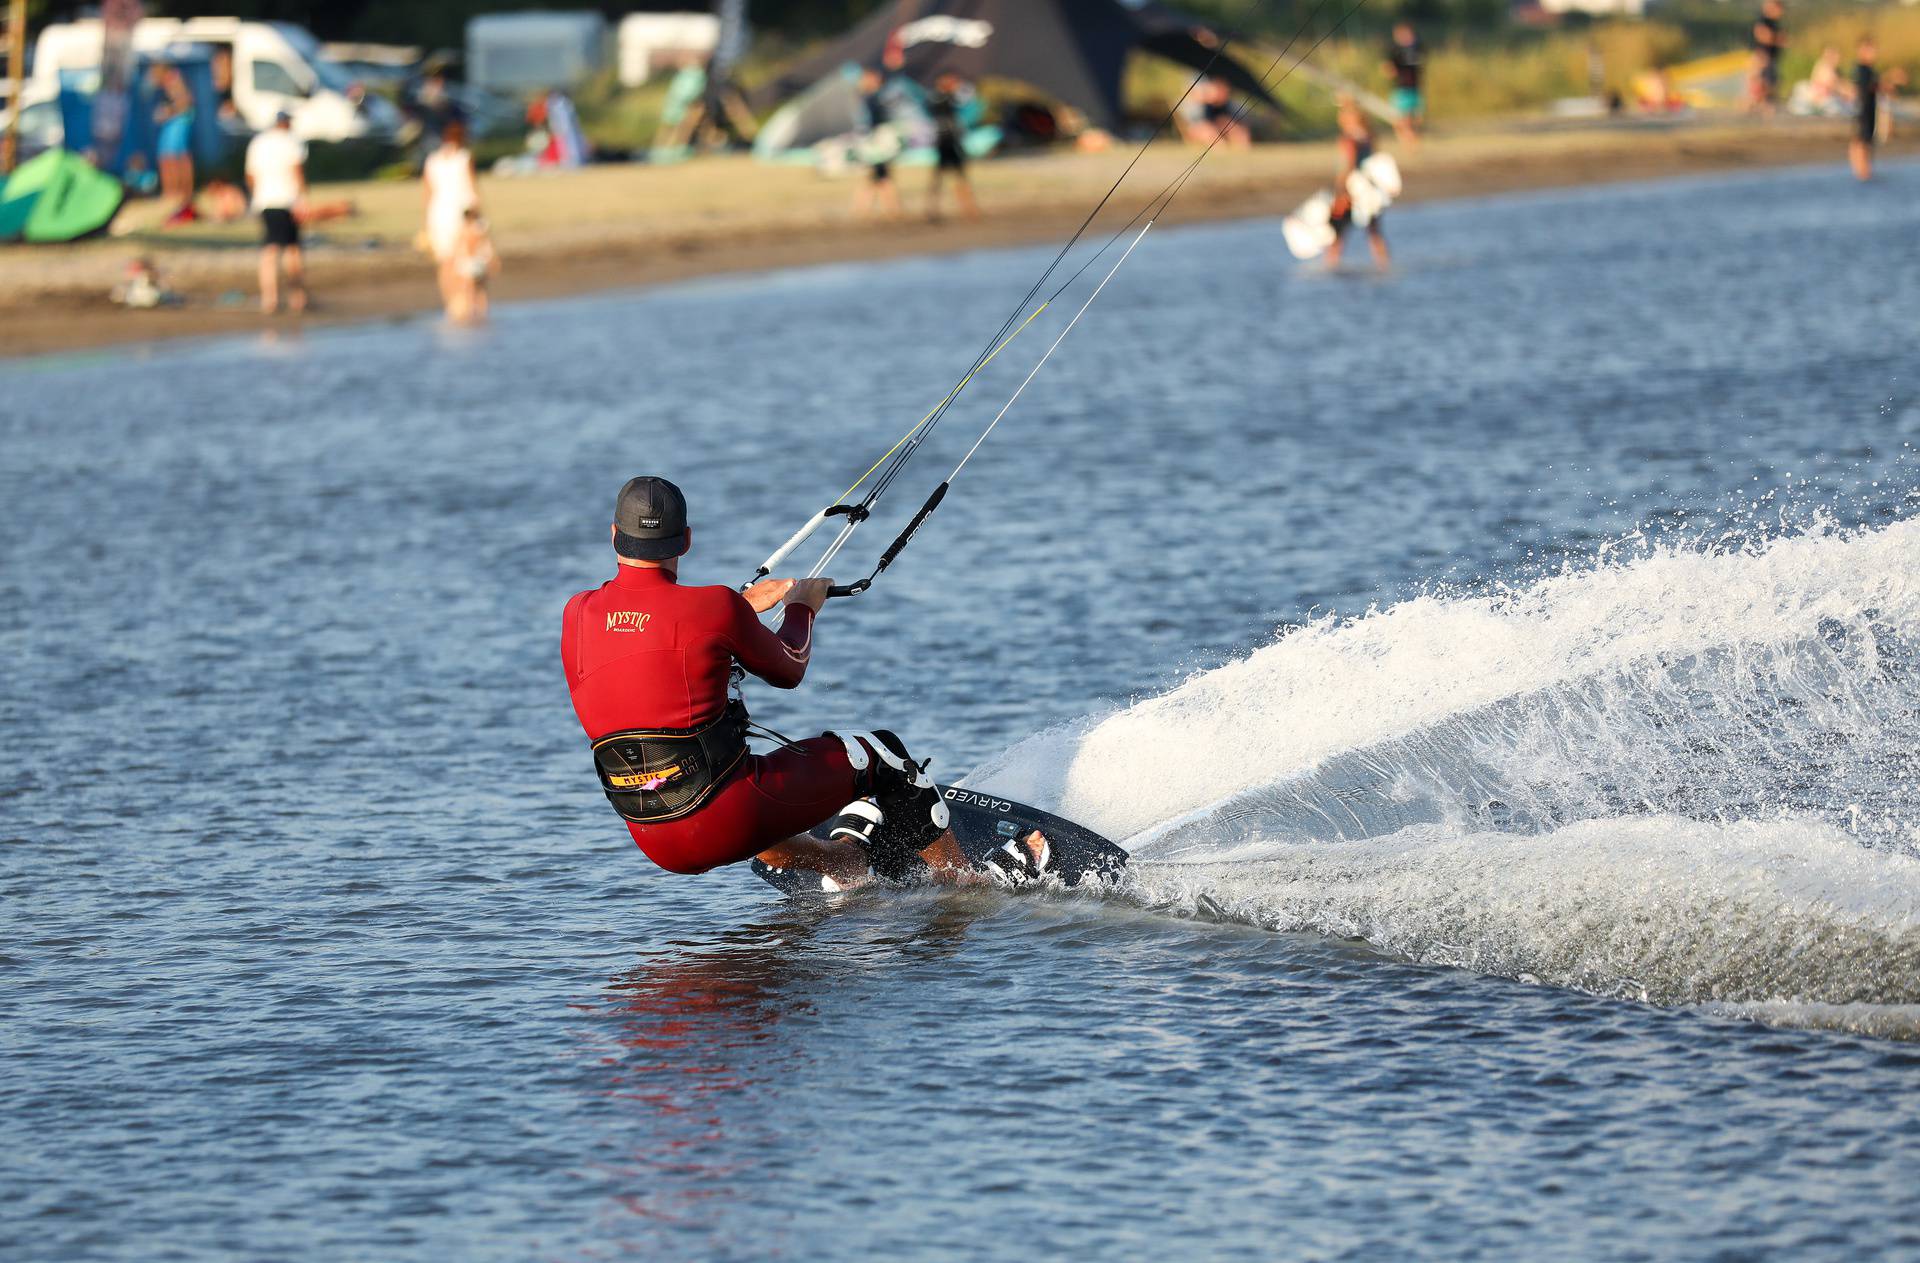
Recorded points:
58,196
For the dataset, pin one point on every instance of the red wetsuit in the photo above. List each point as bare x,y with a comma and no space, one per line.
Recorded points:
641,651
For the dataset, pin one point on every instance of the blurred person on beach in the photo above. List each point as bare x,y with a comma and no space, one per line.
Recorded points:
143,289
954,108
451,189
1769,41
554,138
173,120
277,180
1654,94
879,190
138,176
475,263
1356,146
1405,65
221,68
226,203
1823,91
1207,117
429,103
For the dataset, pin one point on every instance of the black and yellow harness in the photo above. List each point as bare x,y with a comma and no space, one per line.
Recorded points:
653,775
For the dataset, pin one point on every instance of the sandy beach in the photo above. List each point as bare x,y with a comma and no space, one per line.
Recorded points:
624,226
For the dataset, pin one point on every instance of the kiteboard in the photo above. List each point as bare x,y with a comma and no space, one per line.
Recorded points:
1371,189
983,824
1309,230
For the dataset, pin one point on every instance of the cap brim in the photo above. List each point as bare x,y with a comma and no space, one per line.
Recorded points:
633,548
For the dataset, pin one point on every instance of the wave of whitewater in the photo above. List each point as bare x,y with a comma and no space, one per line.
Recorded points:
1692,777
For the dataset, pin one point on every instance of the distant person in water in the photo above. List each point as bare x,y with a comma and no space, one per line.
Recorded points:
452,189
1769,41
1356,146
1406,65
954,107
475,263
1340,218
882,146
277,178
1866,106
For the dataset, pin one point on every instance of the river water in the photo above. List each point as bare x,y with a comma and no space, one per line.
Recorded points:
1503,672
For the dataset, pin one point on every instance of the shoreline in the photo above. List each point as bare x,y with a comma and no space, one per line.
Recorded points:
617,228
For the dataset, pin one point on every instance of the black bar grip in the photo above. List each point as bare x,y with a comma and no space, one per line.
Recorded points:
848,589
926,511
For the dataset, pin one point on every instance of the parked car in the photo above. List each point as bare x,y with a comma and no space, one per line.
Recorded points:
276,67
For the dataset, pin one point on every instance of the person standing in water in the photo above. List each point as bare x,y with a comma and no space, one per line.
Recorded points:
1769,41
648,663
1866,107
451,190
475,264
1356,146
1406,65
277,179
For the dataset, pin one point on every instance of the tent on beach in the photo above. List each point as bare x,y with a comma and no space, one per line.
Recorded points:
1073,50
828,122
58,196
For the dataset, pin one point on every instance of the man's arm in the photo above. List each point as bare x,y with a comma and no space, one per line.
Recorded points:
569,620
780,658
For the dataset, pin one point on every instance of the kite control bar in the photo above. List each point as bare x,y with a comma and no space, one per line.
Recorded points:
893,549
855,513
903,450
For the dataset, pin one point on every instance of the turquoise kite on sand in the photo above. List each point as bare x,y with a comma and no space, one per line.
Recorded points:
58,196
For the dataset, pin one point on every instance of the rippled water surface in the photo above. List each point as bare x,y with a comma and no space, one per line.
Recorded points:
1503,673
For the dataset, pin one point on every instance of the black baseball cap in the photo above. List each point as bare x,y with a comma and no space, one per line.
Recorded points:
650,520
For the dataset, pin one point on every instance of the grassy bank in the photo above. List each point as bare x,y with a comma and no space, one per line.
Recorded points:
1478,76
1487,76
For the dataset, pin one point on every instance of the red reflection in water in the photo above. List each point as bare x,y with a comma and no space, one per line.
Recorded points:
697,1041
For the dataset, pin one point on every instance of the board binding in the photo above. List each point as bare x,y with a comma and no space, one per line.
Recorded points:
982,824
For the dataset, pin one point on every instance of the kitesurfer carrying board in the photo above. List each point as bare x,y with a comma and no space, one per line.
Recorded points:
648,663
1357,200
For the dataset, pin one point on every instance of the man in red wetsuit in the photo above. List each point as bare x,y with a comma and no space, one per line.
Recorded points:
648,663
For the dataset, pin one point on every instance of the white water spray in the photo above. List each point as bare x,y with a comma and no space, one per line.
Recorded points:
1688,777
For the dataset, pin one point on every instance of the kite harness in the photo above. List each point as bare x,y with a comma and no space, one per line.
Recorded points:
655,775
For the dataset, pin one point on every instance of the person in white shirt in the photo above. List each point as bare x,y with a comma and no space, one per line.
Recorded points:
277,178
452,191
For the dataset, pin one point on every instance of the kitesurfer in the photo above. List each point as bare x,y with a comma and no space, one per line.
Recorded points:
1356,146
648,663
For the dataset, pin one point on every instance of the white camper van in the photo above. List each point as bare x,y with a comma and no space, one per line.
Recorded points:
276,66
653,42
